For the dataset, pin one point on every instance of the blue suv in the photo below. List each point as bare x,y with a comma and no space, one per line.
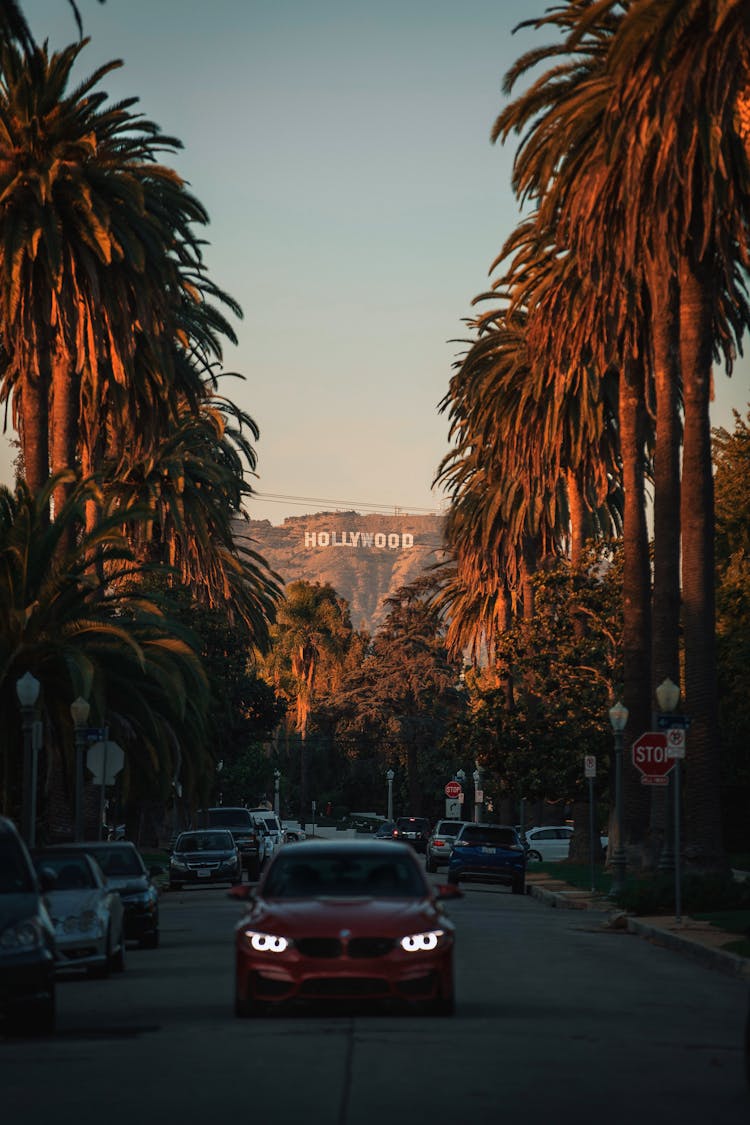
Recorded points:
489,853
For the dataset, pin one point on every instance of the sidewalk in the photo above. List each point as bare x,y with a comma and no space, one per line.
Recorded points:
699,940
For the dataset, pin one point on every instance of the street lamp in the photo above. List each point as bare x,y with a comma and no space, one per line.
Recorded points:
667,698
276,779
27,690
478,796
389,776
79,710
618,717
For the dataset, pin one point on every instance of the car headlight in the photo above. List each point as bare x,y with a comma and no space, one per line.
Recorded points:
417,943
178,864
266,943
23,936
143,898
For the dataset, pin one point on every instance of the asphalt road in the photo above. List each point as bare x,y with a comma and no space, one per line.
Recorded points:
558,1021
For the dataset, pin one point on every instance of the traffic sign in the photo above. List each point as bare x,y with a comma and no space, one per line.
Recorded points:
650,757
664,722
589,766
105,760
453,789
676,742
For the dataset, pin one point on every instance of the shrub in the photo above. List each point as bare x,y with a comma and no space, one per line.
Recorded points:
701,893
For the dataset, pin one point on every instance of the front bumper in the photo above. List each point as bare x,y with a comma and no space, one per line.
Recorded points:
504,872
214,875
141,919
396,976
26,978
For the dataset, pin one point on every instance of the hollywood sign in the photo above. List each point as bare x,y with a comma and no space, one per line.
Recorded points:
393,540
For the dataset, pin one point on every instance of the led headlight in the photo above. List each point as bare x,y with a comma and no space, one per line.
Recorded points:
266,943
418,943
21,936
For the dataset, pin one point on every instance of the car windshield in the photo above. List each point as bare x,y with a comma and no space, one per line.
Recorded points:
343,876
412,822
73,872
118,861
15,876
205,842
272,823
493,837
229,818
448,828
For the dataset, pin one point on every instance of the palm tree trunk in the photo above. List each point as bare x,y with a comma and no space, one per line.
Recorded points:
34,431
636,593
63,444
579,516
703,835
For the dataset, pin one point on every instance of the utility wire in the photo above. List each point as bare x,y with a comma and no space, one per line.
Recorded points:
371,508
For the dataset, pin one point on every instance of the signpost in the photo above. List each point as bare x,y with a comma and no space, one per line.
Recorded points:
453,789
651,759
454,798
104,760
589,772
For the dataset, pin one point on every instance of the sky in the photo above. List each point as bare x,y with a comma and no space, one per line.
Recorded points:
342,151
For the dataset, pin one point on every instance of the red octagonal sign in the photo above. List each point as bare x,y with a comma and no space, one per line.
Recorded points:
650,757
453,789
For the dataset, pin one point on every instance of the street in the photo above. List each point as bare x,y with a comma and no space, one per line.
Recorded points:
557,1019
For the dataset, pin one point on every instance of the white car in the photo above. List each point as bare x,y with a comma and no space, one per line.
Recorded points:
551,843
88,917
272,834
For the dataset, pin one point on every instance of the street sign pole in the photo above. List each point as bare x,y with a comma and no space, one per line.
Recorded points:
589,767
677,878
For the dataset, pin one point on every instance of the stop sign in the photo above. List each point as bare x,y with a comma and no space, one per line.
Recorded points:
453,789
650,757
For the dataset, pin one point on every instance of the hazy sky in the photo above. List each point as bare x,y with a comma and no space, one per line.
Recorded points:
341,148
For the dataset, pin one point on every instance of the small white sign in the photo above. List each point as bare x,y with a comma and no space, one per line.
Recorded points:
453,808
478,796
589,766
676,742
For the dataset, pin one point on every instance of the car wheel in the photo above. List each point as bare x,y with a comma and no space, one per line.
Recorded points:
100,972
253,871
534,855
518,886
453,877
150,941
429,865
175,886
118,959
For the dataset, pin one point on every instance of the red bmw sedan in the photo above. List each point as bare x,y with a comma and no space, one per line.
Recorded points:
344,920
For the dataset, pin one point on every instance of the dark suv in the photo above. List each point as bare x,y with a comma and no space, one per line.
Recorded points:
27,940
246,833
414,830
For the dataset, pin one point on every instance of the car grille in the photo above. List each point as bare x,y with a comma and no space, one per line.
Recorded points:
356,947
344,986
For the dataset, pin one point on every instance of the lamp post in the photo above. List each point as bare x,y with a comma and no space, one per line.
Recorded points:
389,776
667,698
478,796
27,690
276,779
618,718
461,778
79,710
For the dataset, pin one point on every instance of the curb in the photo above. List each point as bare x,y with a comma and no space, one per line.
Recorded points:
726,962
720,959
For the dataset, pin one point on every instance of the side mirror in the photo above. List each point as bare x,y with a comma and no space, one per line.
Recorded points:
242,892
447,890
47,877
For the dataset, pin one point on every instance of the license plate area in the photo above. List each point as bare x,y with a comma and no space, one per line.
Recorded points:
203,873
489,851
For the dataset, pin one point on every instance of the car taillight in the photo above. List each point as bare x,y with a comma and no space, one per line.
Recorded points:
438,843
395,833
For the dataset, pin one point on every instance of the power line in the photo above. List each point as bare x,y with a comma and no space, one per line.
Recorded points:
362,508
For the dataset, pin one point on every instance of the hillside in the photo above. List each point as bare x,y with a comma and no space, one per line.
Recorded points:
364,558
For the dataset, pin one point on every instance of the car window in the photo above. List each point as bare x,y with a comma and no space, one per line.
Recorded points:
545,834
480,834
15,876
73,872
448,828
118,861
205,842
412,822
226,818
343,876
564,833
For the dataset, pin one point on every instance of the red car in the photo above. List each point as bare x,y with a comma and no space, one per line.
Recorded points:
344,920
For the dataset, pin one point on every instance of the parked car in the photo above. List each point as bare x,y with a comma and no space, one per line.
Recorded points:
240,823
27,940
88,916
126,873
208,855
440,843
270,827
413,830
293,832
384,831
379,934
489,853
550,843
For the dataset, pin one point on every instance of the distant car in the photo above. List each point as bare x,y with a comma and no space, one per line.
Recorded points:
552,843
413,830
27,940
271,829
489,853
246,833
204,856
341,920
293,832
88,916
126,873
440,843
384,831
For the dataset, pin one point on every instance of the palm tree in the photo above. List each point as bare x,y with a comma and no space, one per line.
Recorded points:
94,232
79,637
